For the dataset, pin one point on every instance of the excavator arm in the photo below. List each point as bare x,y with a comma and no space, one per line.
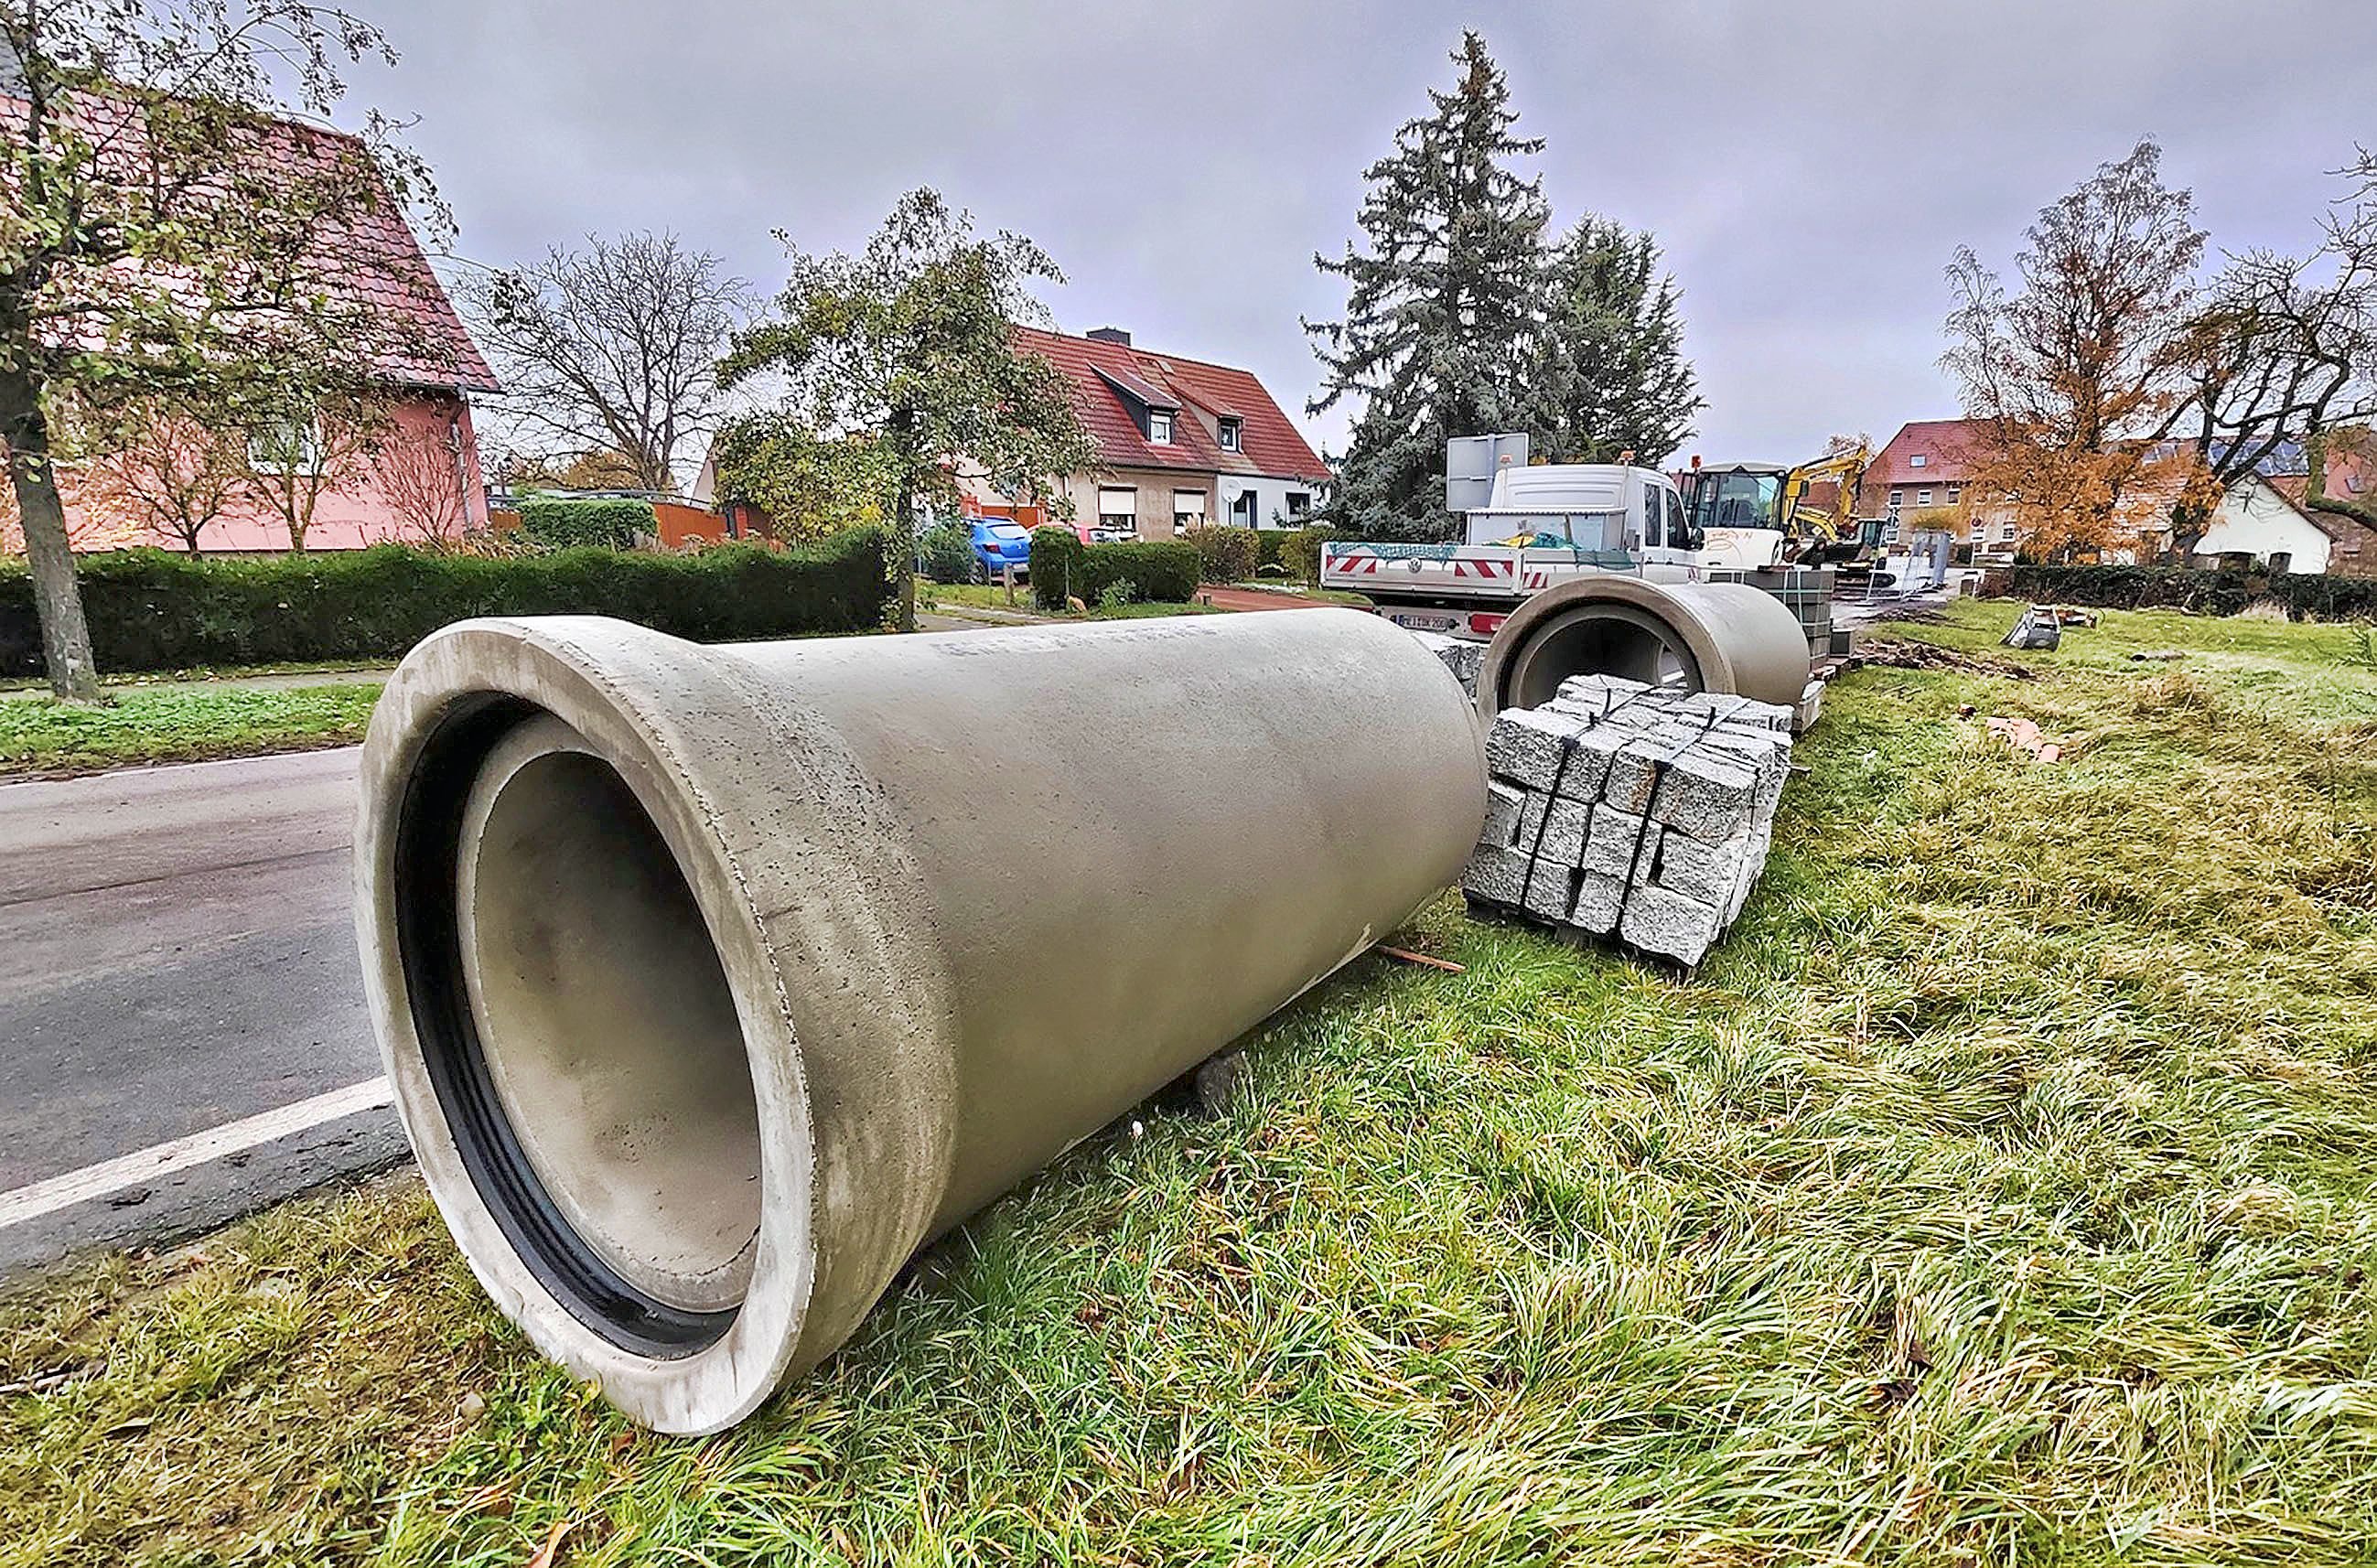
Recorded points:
1823,525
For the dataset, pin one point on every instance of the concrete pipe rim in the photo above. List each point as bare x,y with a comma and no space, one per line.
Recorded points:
1621,600
707,1357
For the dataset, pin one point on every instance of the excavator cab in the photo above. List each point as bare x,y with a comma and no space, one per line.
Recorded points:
1739,496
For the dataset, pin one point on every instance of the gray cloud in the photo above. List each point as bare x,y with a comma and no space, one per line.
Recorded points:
1808,166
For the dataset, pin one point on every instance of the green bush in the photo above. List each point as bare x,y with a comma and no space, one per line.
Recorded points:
1159,573
948,552
1155,573
1300,550
564,522
1056,566
2223,592
160,610
1267,545
1225,554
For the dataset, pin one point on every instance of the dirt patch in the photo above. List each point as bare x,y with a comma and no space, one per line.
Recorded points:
1932,656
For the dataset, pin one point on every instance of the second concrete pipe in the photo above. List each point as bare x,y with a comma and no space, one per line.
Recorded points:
713,981
1725,636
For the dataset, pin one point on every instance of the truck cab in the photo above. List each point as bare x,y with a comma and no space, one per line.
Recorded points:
1606,510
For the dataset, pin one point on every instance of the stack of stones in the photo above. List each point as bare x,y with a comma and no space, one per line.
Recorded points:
1637,813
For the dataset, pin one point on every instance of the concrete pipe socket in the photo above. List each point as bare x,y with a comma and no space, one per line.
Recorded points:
1725,636
715,981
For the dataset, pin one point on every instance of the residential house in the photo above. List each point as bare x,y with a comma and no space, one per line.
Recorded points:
1916,484
421,475
1179,441
2351,545
2257,522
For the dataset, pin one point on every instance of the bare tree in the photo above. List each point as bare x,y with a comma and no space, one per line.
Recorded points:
611,349
2288,353
419,472
2075,377
168,471
296,455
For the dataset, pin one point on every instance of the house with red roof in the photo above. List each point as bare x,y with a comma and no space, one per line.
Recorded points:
1180,441
416,477
1919,480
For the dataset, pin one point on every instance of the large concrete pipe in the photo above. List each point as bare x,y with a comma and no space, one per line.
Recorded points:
1707,636
714,981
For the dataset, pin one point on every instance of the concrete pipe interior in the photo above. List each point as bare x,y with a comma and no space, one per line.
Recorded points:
1603,637
594,1068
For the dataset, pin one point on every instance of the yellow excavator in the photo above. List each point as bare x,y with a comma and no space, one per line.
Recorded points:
1758,514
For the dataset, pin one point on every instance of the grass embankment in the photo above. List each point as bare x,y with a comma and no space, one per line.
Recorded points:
178,725
2005,1189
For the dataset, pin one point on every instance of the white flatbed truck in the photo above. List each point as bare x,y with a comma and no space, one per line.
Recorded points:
1526,529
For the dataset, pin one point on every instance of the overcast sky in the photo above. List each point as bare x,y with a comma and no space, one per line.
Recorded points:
1808,167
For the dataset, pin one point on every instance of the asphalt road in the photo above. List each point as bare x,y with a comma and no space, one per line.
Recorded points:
176,954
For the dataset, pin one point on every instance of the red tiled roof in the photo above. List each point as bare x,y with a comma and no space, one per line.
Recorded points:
1945,446
373,261
1269,444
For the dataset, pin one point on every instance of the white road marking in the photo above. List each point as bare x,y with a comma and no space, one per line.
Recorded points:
47,1197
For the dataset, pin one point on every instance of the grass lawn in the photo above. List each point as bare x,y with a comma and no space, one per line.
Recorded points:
960,596
205,671
2005,1189
178,725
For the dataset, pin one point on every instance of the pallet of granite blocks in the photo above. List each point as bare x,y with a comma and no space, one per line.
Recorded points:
1638,814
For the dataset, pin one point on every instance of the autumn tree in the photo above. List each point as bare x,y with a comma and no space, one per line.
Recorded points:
168,470
908,348
165,229
613,348
1442,302
2077,372
1609,375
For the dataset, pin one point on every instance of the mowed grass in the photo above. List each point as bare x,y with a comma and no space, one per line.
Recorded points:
178,725
958,597
2004,1190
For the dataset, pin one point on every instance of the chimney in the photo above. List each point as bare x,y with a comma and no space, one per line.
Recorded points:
1110,335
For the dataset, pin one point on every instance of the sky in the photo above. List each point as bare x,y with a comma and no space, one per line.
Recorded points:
1808,168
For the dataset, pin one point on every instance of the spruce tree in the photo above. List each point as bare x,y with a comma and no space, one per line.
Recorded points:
1439,308
1608,372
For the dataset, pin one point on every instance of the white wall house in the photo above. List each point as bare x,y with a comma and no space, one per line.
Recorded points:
2255,519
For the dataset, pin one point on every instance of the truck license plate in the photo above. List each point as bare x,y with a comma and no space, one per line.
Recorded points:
1424,620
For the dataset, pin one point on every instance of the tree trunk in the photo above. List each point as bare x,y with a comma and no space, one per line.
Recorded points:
57,597
899,553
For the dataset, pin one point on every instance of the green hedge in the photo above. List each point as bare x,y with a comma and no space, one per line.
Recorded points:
1162,572
1300,550
2314,596
158,610
946,553
563,523
1225,554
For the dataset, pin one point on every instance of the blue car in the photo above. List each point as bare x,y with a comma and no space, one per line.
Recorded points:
998,544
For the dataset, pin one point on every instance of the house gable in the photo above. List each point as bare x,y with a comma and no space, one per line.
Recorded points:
1115,386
